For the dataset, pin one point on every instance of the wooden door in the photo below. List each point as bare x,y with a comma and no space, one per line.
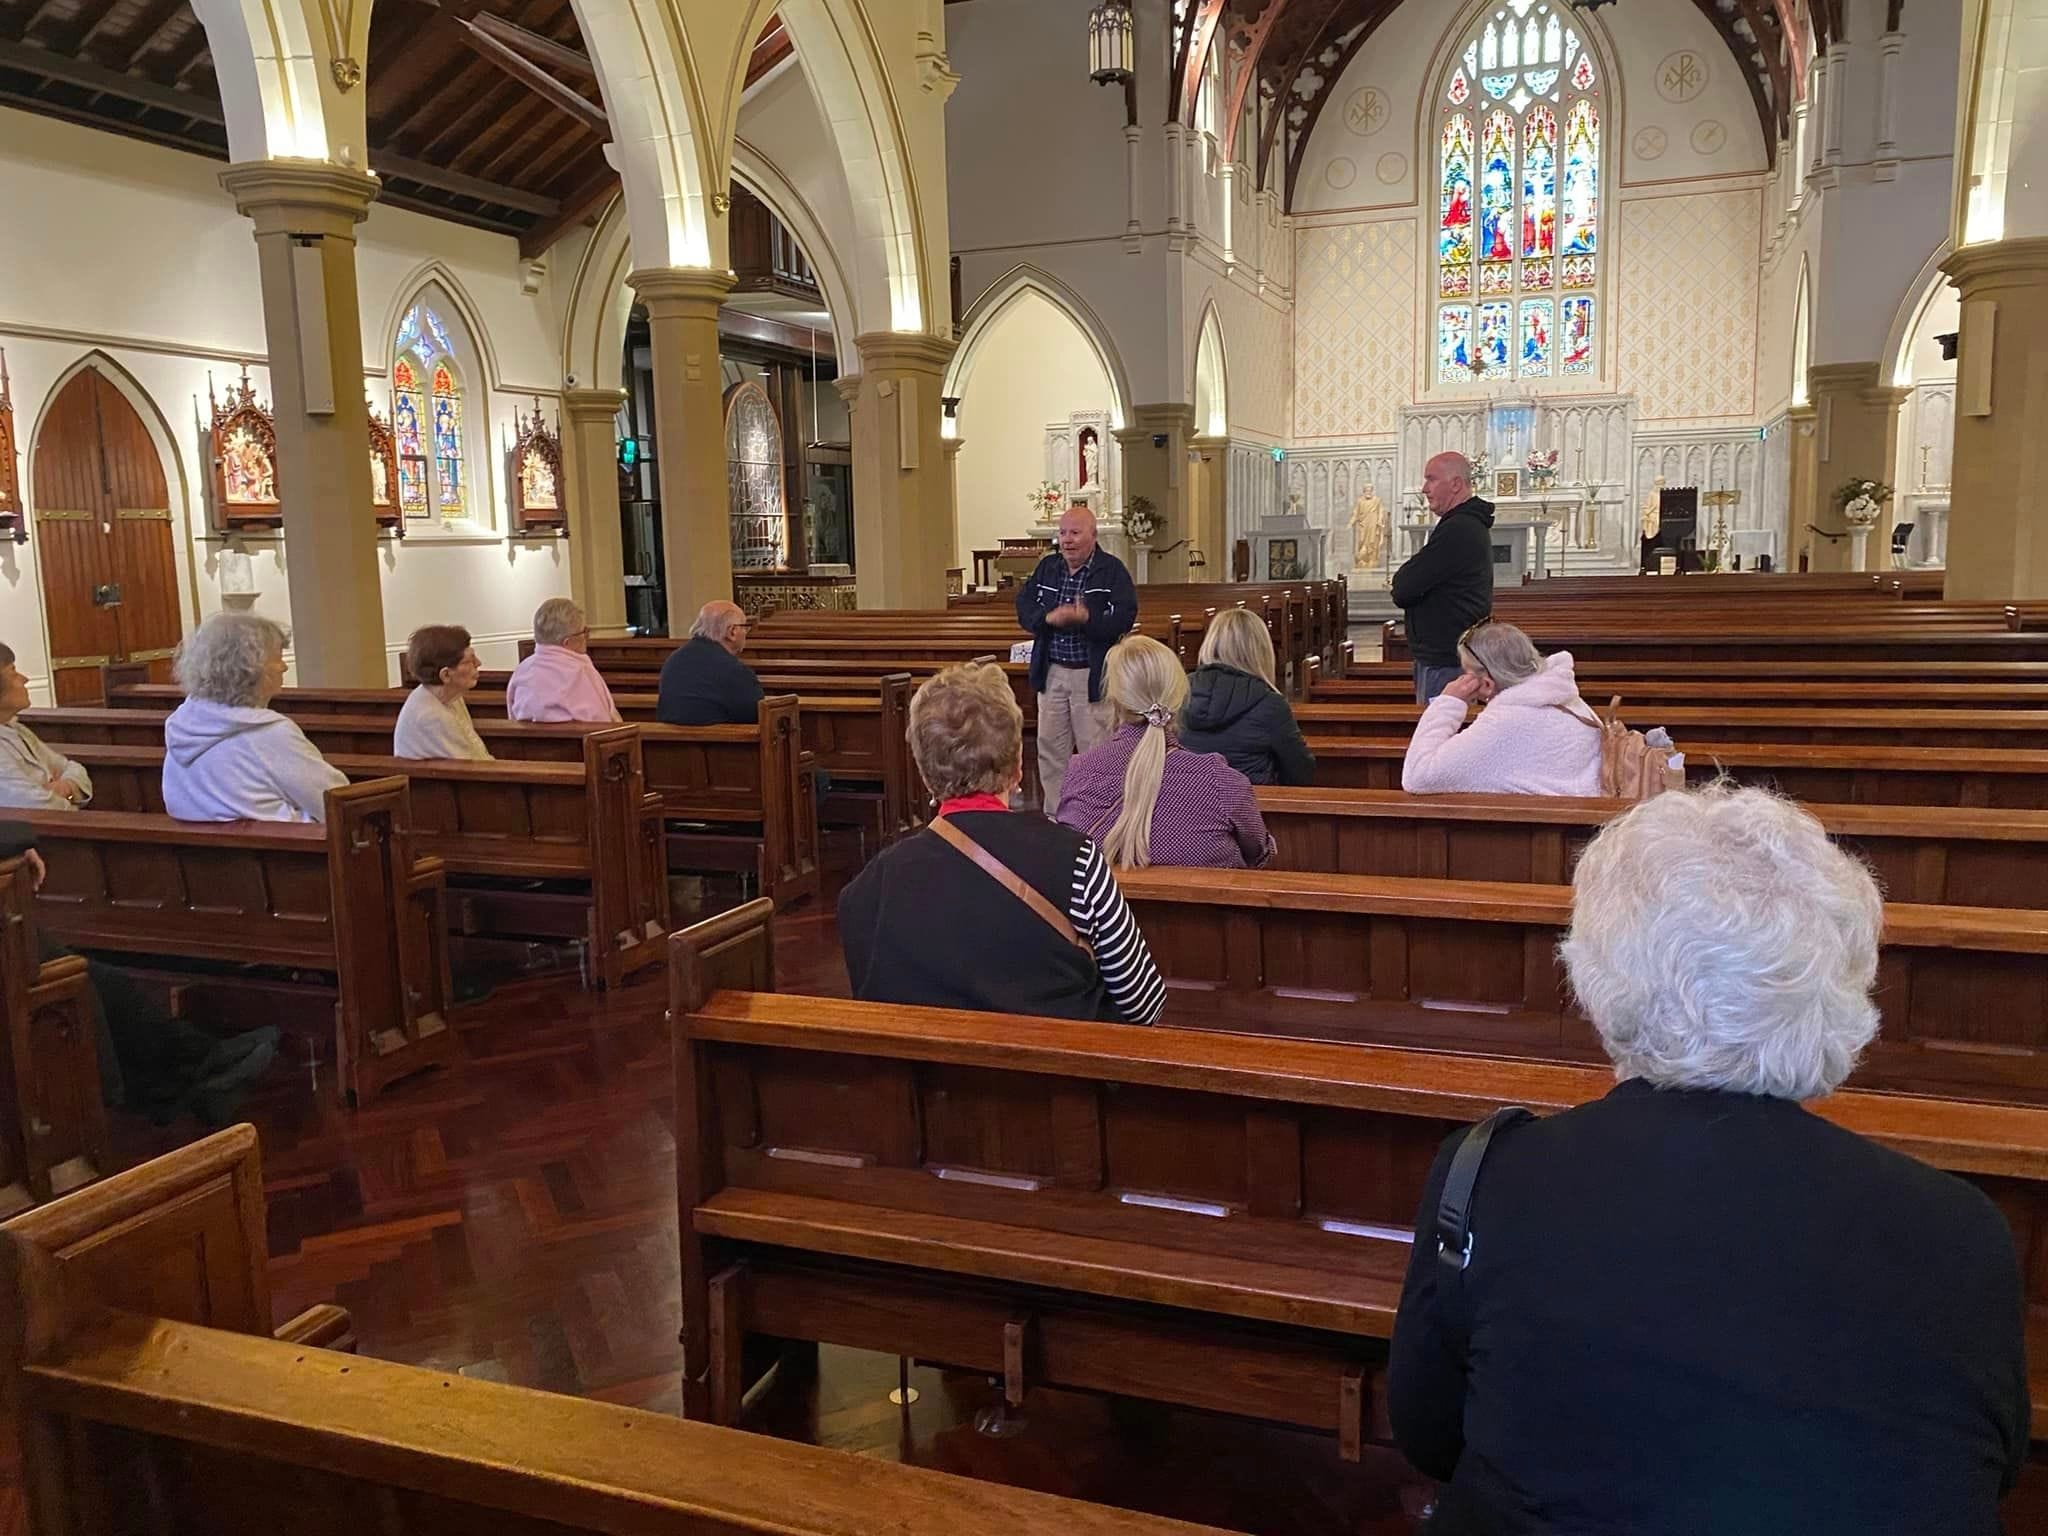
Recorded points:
103,526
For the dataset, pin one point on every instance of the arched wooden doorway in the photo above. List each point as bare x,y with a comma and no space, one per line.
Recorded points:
103,530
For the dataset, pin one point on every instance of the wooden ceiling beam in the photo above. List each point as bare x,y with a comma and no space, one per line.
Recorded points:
1320,13
1248,77
148,28
542,50
441,179
511,149
536,79
136,89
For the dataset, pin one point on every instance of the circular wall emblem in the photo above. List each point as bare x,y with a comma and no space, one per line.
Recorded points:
1366,112
1651,143
1391,169
1340,173
1682,76
1709,137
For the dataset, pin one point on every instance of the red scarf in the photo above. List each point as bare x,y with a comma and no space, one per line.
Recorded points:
974,803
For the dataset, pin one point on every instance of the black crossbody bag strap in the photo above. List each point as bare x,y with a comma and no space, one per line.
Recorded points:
1454,1206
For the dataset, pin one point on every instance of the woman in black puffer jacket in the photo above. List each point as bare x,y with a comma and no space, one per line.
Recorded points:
1233,707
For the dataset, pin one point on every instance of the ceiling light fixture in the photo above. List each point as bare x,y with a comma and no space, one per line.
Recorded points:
1110,43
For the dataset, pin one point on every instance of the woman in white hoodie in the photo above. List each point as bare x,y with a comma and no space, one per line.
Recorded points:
1535,736
228,756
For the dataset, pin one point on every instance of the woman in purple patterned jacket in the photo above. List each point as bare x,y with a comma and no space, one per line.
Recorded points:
1145,799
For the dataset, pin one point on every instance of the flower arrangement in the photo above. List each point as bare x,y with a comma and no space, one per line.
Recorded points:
1141,519
1048,501
1861,502
1482,473
1542,467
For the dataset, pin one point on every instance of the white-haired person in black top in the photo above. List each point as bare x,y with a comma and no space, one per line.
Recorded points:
1044,932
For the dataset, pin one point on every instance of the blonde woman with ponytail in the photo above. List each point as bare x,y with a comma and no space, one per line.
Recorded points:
1145,799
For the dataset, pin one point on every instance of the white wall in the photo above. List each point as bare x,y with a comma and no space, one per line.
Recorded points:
1032,366
136,251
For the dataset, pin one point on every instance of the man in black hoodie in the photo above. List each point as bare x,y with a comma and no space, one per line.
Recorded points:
1446,586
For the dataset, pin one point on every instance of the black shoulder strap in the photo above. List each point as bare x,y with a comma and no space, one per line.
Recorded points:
1454,1207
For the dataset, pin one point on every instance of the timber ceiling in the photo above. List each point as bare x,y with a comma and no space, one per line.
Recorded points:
488,113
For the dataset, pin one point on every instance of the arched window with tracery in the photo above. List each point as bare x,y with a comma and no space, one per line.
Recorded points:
426,419
1519,135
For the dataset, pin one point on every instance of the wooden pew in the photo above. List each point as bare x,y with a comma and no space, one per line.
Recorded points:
181,1236
1218,1221
1879,641
856,734
743,787
1696,727
1472,966
1640,695
595,825
1839,775
1926,855
348,899
134,1422
53,1127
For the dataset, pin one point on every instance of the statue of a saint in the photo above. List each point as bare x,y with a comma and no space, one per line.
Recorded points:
1091,454
1653,509
1368,531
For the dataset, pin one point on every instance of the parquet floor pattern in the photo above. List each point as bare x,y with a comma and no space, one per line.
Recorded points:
513,1219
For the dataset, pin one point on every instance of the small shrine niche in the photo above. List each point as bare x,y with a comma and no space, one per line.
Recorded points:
535,473
12,524
384,474
242,446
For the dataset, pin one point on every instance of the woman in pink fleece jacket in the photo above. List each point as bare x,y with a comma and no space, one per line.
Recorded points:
1534,737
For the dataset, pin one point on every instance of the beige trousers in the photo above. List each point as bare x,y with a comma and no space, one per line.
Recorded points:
1067,724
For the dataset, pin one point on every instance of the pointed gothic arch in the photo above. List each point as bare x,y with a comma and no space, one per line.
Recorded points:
1006,290
1920,295
1211,392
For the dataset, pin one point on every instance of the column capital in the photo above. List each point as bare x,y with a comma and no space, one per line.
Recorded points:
2015,263
303,197
904,352
1209,440
682,291
583,405
1165,417
1841,378
951,446
848,385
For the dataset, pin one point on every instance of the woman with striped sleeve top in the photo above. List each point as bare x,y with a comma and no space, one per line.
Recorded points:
989,909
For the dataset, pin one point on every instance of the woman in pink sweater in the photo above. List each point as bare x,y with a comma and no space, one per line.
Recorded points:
1534,737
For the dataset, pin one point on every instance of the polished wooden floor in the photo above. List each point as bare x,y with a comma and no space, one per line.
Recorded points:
513,1218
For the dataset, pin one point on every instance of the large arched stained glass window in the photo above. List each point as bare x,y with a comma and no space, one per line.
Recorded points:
1518,215
426,413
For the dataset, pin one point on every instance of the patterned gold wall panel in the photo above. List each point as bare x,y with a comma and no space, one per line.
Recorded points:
1686,302
1354,328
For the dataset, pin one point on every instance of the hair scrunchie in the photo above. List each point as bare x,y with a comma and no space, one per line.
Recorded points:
1160,716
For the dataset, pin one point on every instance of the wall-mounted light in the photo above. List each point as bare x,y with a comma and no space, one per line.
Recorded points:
1109,43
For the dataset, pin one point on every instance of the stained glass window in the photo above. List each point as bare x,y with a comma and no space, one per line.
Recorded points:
426,407
1519,145
408,409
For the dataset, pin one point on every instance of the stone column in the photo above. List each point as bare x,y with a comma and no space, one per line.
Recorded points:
689,430
961,554
323,456
1159,473
1209,505
1803,423
590,453
1998,501
1858,438
904,529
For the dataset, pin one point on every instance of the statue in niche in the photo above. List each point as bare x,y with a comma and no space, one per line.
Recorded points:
537,482
1368,530
1091,459
1653,509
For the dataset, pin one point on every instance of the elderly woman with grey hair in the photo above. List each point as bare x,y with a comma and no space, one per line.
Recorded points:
228,756
559,681
1692,1305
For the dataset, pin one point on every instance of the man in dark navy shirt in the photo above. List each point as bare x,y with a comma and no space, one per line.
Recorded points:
704,682
1077,604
